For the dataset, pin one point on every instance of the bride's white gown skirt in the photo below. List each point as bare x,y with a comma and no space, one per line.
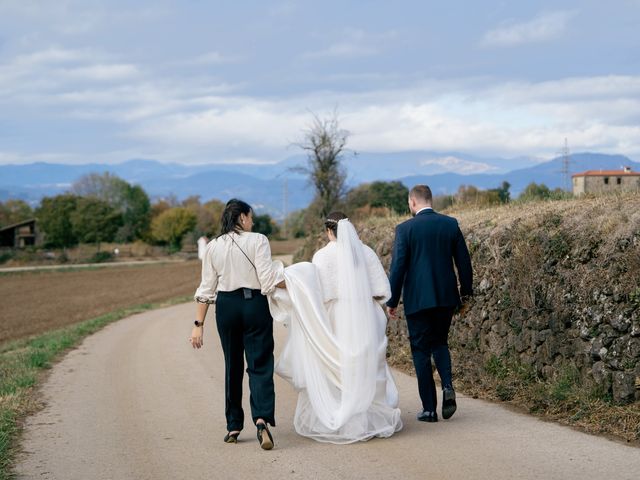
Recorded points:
335,356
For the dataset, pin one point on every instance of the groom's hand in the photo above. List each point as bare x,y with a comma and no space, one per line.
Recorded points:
393,312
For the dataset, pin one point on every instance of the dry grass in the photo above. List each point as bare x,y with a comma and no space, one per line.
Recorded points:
532,253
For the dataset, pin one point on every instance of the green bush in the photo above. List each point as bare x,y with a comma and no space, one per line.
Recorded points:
101,257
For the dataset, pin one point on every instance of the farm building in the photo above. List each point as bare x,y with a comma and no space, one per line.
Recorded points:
606,181
20,235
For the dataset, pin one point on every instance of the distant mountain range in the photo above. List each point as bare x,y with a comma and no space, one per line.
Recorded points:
264,185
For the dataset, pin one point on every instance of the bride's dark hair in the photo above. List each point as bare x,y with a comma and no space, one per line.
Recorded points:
331,222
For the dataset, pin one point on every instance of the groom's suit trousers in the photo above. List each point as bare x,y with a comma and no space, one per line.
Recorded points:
245,327
428,334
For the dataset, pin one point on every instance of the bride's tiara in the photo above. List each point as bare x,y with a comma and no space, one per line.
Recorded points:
331,220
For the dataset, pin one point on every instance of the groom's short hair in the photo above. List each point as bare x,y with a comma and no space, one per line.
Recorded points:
421,192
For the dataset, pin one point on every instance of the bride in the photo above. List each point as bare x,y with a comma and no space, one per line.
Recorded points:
335,355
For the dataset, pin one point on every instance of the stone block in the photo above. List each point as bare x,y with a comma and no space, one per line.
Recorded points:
542,336
621,323
602,376
624,387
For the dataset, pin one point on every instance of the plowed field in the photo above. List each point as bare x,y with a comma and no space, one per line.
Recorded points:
35,302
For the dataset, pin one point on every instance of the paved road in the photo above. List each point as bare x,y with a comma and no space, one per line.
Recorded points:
136,402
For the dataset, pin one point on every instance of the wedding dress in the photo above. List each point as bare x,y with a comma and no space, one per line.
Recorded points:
335,355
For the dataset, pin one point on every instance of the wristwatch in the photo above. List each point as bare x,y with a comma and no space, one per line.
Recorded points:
198,324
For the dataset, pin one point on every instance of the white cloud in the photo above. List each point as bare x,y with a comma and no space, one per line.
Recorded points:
101,72
456,165
484,121
53,55
342,50
234,122
170,117
210,58
542,28
76,17
355,43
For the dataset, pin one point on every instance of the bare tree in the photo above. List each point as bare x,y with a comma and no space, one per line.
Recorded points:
325,142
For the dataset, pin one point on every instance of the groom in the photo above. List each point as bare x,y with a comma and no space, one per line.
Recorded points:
424,251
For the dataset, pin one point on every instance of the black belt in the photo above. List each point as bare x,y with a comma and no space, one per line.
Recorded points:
246,293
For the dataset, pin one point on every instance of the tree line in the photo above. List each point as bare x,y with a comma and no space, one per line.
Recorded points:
105,208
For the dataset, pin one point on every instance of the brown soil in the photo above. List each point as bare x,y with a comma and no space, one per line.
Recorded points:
35,302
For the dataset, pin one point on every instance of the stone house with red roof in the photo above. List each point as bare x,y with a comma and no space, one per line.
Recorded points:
606,181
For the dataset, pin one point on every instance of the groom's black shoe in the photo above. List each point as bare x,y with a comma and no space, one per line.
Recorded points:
430,417
448,402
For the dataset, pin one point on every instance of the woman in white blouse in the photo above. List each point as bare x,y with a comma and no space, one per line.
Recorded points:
237,274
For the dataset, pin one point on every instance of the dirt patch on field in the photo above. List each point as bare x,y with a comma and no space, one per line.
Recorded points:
35,302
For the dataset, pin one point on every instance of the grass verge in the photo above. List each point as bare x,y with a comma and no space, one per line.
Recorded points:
22,363
564,398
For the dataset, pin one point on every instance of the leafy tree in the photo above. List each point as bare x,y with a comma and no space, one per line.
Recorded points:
503,192
131,201
359,196
209,217
469,195
105,186
162,205
296,224
391,195
14,211
325,143
54,217
533,191
171,225
264,224
442,202
208,214
94,220
136,214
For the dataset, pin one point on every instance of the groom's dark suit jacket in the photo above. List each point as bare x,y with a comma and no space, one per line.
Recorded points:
424,252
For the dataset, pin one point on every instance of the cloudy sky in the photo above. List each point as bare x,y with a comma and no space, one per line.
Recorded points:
197,81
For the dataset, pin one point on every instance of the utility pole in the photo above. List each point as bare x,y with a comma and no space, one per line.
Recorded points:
566,162
285,206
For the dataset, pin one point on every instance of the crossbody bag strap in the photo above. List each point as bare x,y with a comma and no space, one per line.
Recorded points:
246,256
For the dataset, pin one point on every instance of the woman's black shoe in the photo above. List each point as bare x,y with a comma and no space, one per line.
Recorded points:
266,441
430,417
231,437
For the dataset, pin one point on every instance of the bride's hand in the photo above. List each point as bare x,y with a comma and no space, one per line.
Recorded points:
197,335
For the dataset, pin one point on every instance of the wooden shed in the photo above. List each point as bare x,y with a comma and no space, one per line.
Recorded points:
20,235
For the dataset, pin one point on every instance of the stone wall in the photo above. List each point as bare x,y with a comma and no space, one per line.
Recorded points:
557,293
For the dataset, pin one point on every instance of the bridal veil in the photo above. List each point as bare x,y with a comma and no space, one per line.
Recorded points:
338,364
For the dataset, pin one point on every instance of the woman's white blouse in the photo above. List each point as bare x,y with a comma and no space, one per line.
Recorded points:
225,268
